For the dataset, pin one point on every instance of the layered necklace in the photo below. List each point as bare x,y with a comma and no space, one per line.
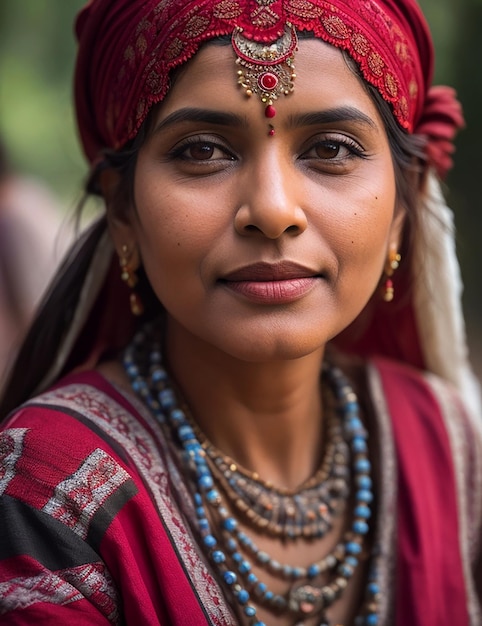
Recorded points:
306,512
222,489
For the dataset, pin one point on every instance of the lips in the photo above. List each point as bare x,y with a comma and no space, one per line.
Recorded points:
266,283
262,272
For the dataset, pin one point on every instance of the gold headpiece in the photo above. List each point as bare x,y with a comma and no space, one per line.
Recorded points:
266,69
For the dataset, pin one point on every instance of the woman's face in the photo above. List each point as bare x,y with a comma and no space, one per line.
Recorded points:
264,247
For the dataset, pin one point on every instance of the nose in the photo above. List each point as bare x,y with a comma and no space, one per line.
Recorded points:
270,203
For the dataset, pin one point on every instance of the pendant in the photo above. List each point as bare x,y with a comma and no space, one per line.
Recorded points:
266,69
305,599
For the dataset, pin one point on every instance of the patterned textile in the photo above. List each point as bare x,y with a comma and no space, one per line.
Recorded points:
89,530
95,518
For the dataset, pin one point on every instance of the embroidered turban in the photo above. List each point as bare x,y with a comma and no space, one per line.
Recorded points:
127,49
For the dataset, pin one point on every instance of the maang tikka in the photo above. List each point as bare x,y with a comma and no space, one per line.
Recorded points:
266,69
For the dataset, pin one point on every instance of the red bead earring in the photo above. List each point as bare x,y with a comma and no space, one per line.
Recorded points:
392,264
129,276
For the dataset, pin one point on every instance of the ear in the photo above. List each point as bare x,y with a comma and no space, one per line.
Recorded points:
396,229
120,217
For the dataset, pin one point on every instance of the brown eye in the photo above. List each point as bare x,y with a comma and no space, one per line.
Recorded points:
327,150
332,152
201,151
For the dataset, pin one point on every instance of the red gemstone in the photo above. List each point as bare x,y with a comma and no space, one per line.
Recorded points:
270,111
268,81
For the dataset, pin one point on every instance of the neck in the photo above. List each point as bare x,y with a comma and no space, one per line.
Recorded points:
267,416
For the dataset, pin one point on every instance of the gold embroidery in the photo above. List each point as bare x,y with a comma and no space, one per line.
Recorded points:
401,49
154,82
141,45
164,4
376,63
129,54
303,8
174,49
227,10
264,17
391,85
335,27
196,26
141,107
144,24
413,89
360,44
402,106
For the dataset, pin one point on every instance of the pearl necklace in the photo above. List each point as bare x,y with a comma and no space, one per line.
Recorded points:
226,545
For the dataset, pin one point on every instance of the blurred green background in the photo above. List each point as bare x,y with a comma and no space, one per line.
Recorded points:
36,56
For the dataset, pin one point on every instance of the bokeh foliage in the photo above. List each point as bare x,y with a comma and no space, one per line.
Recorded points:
36,56
37,48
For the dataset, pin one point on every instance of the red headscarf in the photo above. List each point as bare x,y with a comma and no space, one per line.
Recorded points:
127,49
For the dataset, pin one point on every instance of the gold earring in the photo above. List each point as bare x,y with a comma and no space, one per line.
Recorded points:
392,264
129,276
137,307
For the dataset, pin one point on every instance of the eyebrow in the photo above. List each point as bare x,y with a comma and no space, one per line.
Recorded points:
226,118
191,114
330,116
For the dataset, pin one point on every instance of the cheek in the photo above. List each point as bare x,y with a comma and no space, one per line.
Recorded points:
175,232
358,220
360,237
172,211
161,214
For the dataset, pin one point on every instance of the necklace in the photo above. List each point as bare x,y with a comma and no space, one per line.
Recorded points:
289,514
226,545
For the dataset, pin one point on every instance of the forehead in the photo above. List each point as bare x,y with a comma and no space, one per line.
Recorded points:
323,80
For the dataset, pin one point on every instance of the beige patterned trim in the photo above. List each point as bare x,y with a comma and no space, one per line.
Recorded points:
11,447
79,497
386,486
466,445
61,588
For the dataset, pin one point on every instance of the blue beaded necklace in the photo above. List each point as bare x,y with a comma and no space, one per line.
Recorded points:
228,546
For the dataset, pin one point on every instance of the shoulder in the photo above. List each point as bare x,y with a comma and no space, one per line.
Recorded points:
61,416
76,400
83,415
81,432
420,392
421,404
53,443
436,438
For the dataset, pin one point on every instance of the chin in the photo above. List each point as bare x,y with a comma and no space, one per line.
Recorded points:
273,346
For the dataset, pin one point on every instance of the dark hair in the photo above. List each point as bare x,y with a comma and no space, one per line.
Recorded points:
58,307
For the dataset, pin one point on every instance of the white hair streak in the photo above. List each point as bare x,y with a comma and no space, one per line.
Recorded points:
438,299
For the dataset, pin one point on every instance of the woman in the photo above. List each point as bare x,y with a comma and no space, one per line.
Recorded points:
280,430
